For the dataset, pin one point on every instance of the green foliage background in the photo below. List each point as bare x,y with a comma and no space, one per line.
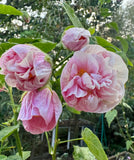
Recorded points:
106,24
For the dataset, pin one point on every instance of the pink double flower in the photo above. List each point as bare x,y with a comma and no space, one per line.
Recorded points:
28,68
25,67
40,111
93,79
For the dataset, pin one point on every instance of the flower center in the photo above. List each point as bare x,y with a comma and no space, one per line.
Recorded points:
81,71
30,76
82,38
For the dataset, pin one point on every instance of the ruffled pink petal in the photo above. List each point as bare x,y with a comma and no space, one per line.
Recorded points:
73,89
10,80
40,111
120,67
21,50
35,125
26,107
26,66
93,80
42,68
75,38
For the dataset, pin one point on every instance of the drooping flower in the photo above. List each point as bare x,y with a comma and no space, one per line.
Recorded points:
40,111
25,67
93,79
75,38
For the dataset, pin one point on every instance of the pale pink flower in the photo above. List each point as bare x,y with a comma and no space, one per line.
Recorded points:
93,79
75,38
40,111
25,67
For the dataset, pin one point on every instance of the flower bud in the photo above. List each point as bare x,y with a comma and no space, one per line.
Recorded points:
26,17
75,38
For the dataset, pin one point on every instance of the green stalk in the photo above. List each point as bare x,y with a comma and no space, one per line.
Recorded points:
71,140
120,128
18,143
63,60
56,142
49,147
121,131
16,134
126,124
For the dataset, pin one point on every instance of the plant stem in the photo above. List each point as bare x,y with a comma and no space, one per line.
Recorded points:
121,130
71,140
49,147
63,60
13,105
16,134
18,143
56,142
126,124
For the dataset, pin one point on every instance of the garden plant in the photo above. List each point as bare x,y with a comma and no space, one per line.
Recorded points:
91,77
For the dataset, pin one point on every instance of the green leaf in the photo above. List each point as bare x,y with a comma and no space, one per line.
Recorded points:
5,46
26,154
128,144
82,153
113,25
106,44
23,40
68,27
6,9
91,30
124,44
118,134
14,157
94,144
129,62
127,106
105,12
3,157
71,109
58,73
110,116
45,46
2,80
101,2
70,12
6,132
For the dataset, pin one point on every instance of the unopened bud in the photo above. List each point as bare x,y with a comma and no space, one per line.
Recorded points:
26,17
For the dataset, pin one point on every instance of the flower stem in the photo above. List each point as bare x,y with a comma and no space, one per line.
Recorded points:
63,60
126,124
49,147
71,140
16,134
18,143
56,142
120,128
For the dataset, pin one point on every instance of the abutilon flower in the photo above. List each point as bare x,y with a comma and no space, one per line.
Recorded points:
25,67
40,111
93,79
75,38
